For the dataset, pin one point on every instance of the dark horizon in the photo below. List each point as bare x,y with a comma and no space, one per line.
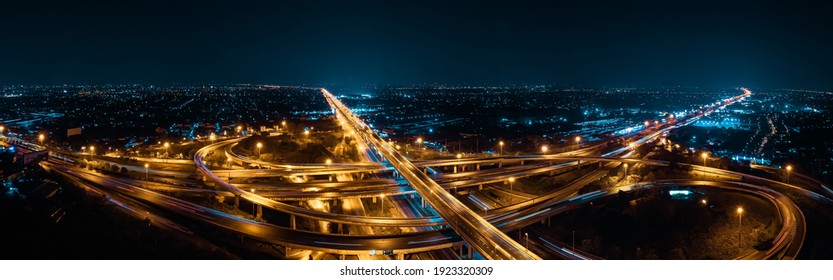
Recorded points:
586,44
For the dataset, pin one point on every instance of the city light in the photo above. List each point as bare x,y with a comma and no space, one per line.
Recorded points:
544,149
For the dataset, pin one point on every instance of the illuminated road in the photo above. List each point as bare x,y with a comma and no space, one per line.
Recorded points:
490,242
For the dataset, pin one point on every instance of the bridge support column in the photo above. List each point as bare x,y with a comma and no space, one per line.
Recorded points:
423,201
400,256
500,164
471,253
455,169
478,167
480,187
292,221
340,228
425,170
259,212
236,201
330,177
341,257
522,162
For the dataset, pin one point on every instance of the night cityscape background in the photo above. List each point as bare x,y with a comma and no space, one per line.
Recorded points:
431,130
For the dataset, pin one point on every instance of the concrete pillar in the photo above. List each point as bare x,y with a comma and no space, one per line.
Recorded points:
478,167
480,187
500,164
374,199
292,221
522,162
236,201
423,201
259,212
400,256
330,177
471,252
341,257
455,169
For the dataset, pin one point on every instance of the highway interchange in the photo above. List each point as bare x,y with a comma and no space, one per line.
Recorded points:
442,221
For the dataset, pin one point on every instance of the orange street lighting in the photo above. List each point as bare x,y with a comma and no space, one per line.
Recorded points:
306,132
705,156
511,189
146,174
40,138
740,223
459,156
328,162
789,169
544,149
259,146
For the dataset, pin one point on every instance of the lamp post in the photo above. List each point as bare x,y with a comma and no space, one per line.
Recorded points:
229,169
740,223
705,156
146,174
511,189
419,147
789,169
544,149
383,203
166,151
253,205
212,137
92,151
501,147
526,234
40,138
259,146
578,142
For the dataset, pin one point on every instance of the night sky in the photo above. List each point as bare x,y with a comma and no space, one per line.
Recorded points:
570,43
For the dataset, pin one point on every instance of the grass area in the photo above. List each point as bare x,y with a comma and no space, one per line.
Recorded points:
651,225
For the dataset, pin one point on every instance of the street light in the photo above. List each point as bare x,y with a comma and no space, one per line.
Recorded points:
239,129
146,174
459,156
419,146
306,132
212,137
578,141
526,234
166,151
705,156
511,187
259,146
229,169
40,138
328,162
740,222
501,147
789,168
544,149
92,151
383,203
